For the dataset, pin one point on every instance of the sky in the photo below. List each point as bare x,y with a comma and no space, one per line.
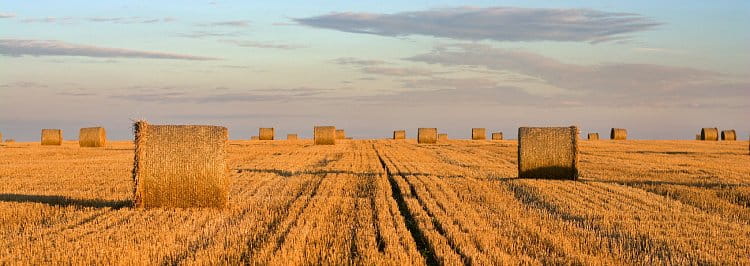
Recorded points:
661,69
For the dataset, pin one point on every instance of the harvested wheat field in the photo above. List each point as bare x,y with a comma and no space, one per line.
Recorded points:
376,202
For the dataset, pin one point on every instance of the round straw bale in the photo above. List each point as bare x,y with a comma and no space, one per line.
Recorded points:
291,136
254,138
265,133
618,134
548,152
324,135
478,134
697,136
442,136
497,136
728,135
180,166
427,135
340,134
710,134
399,134
92,137
593,136
51,137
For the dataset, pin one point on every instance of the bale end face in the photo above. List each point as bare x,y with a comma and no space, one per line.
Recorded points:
324,135
399,134
92,137
427,135
710,134
180,166
728,135
548,152
618,134
52,137
593,136
265,133
497,136
478,134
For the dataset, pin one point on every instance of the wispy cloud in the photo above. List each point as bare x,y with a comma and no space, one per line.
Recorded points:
207,34
60,20
7,15
256,44
492,23
358,61
397,71
230,23
16,47
130,20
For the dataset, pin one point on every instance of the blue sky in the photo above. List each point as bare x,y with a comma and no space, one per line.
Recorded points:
662,69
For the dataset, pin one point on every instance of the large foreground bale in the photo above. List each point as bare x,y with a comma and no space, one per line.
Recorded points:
618,134
427,135
51,137
92,137
180,166
399,134
710,134
340,134
324,135
265,133
291,136
442,136
728,135
497,136
593,136
548,152
478,134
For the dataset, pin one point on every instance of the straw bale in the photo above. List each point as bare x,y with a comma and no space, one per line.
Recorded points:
593,136
291,136
265,133
729,135
478,134
618,134
442,136
427,135
52,137
324,135
92,137
548,152
710,134
399,134
340,134
497,136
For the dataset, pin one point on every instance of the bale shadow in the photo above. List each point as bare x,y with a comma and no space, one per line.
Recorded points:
63,201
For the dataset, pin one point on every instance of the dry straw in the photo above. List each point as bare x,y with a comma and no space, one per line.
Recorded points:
593,136
265,133
548,152
399,134
478,134
291,136
340,134
442,136
51,137
92,137
497,136
324,135
728,135
254,138
709,134
427,135
180,166
618,134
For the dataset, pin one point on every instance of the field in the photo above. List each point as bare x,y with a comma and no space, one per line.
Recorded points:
387,202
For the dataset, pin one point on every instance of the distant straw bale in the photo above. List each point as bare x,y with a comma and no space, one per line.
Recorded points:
497,136
180,166
340,134
265,133
729,135
548,152
618,134
52,137
399,134
291,136
478,134
324,135
92,137
254,138
697,136
427,135
593,136
710,134
442,136
1,137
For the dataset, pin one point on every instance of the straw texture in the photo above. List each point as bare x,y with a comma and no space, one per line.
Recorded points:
593,136
548,152
399,134
478,134
710,134
51,137
265,133
324,135
618,134
442,136
92,137
427,135
729,135
497,136
180,166
340,134
291,136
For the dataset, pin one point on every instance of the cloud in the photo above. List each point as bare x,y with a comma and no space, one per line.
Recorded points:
452,83
15,47
7,15
205,34
492,23
61,20
231,23
171,95
357,61
130,20
397,71
254,44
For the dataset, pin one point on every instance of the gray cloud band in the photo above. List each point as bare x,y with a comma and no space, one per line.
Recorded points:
15,47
